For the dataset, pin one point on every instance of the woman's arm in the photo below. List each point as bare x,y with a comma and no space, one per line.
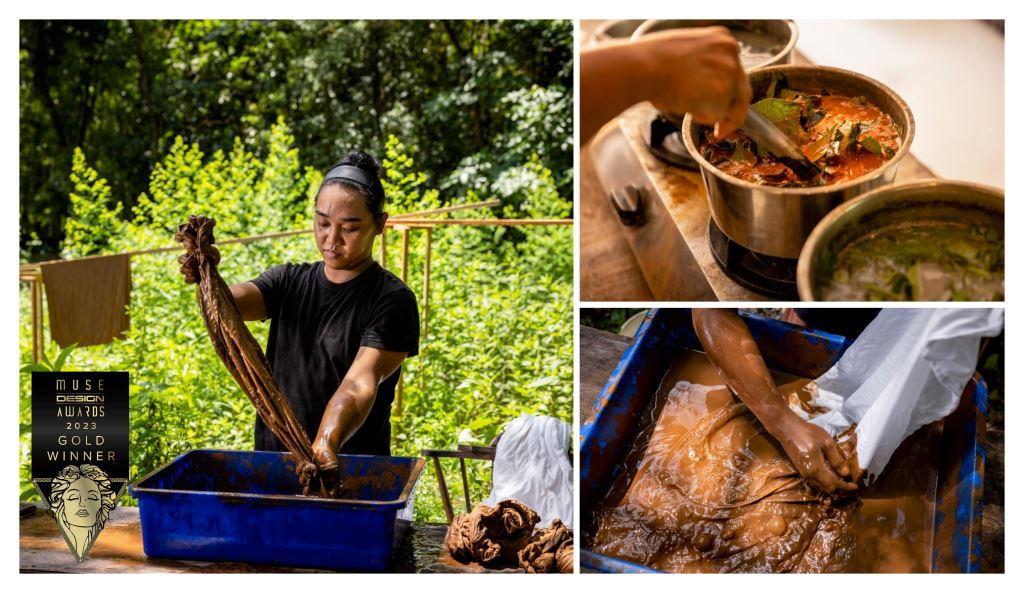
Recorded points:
351,403
694,71
729,345
249,301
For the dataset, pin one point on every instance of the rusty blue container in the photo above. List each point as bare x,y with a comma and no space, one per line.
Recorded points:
246,506
608,437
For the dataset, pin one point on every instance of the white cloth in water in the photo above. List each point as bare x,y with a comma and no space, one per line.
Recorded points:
531,465
907,369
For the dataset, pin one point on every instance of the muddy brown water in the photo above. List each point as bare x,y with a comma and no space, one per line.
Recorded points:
706,489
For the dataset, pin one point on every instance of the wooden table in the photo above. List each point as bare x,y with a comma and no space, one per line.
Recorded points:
119,549
600,351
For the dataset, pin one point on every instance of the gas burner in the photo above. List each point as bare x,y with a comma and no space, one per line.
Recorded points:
773,277
665,141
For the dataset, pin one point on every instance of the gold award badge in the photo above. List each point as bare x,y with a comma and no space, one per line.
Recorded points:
80,450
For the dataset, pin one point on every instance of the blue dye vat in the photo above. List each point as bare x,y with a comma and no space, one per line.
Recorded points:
607,439
246,506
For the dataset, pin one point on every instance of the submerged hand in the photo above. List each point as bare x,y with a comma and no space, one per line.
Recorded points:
321,478
816,456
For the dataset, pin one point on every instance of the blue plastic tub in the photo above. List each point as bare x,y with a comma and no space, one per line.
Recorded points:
246,506
609,436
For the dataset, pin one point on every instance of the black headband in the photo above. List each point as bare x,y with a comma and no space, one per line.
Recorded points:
357,175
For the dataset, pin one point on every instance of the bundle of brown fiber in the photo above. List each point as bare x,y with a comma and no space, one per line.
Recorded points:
491,536
550,550
502,537
242,355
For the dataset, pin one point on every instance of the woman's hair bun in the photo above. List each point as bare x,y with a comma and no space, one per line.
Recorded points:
358,158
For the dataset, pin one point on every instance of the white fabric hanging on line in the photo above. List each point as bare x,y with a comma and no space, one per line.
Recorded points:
907,369
531,465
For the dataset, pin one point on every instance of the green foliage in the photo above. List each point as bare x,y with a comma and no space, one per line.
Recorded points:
95,219
45,366
470,99
497,330
610,320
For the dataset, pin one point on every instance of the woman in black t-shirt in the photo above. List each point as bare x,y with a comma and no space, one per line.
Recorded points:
340,328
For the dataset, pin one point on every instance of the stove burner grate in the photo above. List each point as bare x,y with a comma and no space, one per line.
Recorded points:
665,141
774,277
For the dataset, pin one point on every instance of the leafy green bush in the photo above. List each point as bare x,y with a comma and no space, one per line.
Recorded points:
498,327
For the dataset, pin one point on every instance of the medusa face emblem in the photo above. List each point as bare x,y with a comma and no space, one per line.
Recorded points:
81,499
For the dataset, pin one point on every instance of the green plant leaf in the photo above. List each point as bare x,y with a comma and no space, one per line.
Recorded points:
849,138
63,356
784,114
742,154
820,147
777,84
870,144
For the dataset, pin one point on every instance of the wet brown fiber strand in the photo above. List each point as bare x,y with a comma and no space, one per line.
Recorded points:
242,355
723,497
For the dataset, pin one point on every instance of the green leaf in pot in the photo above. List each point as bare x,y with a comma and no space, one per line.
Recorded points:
849,138
818,149
742,154
789,94
784,114
870,144
777,84
899,284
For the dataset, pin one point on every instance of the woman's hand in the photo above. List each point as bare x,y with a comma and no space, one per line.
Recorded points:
815,455
325,458
698,71
680,71
322,478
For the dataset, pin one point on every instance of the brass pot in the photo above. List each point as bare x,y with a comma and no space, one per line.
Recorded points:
776,220
928,199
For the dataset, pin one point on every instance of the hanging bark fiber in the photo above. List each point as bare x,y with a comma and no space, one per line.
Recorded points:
243,356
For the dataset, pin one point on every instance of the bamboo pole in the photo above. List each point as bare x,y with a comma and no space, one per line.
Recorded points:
426,307
402,222
37,319
405,255
420,222
405,280
447,209
487,221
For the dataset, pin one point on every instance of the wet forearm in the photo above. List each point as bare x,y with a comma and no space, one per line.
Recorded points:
613,76
729,345
346,412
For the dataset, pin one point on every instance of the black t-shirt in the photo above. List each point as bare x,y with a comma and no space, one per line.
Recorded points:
316,329
848,323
